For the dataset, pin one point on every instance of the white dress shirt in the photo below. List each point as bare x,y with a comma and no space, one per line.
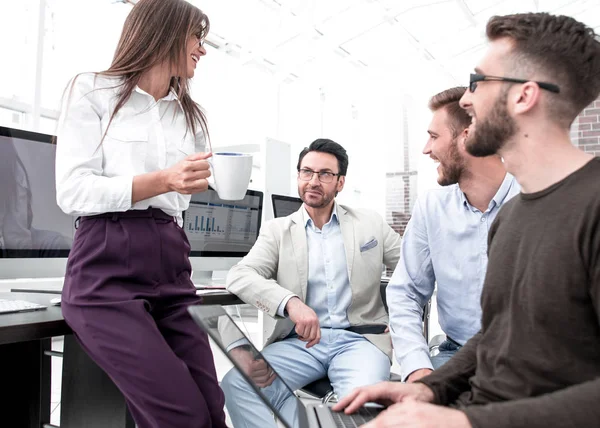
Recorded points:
95,175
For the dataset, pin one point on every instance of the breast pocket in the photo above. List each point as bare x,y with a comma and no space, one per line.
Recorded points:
179,142
371,259
186,146
126,146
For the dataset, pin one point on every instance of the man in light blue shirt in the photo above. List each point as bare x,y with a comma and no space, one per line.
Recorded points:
445,242
317,274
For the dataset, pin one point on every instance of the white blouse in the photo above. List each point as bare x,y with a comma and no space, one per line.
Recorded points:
95,176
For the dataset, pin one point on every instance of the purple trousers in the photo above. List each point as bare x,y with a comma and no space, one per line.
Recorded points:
126,291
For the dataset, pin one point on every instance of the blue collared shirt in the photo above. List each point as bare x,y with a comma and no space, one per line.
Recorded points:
328,290
445,242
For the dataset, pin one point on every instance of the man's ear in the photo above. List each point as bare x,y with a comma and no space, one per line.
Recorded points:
462,139
340,183
526,98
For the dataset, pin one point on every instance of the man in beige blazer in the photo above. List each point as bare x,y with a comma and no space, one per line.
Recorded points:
317,274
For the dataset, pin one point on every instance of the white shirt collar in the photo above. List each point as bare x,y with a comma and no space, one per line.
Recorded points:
171,96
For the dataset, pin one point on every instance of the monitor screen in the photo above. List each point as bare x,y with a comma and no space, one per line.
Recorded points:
218,228
31,223
285,205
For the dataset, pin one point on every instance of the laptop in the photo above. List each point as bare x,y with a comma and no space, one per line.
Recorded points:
224,331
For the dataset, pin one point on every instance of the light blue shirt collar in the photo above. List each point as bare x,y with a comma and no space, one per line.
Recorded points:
309,222
498,198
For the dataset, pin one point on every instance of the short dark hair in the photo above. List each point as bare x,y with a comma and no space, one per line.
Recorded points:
324,145
449,99
563,50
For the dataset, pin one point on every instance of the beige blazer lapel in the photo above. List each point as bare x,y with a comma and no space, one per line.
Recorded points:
298,233
347,226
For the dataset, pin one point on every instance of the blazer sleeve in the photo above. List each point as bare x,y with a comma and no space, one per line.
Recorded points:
252,278
391,246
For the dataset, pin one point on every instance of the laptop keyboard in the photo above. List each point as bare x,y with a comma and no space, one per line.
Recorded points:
361,417
10,306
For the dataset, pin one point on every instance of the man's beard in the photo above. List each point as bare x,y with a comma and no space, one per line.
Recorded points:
326,198
452,167
492,133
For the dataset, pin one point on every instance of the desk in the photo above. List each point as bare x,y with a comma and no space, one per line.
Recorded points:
209,297
89,399
24,337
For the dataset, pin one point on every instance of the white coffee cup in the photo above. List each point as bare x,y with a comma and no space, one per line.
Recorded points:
231,173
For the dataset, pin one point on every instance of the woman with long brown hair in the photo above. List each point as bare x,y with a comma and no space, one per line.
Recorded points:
129,153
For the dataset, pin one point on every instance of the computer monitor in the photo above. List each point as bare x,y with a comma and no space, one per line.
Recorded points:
35,235
285,205
220,232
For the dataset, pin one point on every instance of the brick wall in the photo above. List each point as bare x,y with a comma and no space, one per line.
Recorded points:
585,131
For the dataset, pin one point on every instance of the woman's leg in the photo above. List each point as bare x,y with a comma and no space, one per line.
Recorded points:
188,341
190,344
123,339
115,286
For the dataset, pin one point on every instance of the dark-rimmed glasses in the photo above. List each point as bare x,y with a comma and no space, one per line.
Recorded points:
306,174
482,77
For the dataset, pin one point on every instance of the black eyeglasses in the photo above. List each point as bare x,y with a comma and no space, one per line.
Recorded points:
306,174
481,77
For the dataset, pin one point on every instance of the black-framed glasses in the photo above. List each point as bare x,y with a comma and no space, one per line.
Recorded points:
306,174
482,77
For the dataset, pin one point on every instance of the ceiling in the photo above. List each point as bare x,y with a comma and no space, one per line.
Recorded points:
337,42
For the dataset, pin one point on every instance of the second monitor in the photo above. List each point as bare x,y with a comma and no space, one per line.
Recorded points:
285,205
220,232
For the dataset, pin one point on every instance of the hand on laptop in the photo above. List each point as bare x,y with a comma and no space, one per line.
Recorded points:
306,320
418,414
258,370
386,393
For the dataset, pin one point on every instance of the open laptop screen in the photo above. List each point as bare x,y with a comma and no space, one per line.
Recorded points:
228,336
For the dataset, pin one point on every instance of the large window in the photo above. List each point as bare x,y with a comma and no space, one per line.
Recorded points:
358,72
18,51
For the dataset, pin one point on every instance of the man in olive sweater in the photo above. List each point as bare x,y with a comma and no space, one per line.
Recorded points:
536,360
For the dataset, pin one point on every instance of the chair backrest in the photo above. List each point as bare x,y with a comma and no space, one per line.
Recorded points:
382,287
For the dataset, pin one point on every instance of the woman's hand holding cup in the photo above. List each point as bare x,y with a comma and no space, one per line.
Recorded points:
189,175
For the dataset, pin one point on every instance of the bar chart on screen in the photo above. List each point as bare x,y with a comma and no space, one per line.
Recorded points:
204,223
221,221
